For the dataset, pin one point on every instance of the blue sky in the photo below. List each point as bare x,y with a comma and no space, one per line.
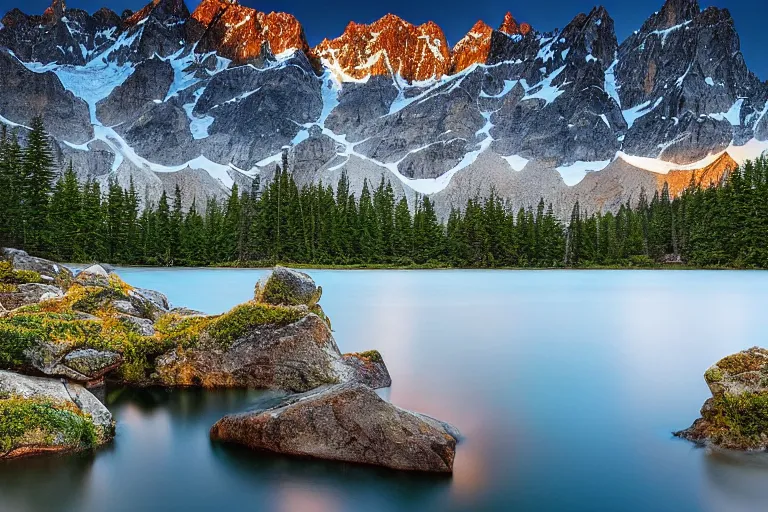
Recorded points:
327,18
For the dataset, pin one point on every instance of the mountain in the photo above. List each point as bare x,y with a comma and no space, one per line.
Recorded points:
211,98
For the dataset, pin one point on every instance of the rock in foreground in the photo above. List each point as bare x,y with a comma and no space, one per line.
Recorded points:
347,422
736,417
45,415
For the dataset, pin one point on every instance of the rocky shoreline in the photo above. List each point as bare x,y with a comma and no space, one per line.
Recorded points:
61,333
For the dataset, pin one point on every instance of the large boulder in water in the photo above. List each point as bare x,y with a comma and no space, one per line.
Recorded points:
45,415
347,422
287,287
267,347
736,417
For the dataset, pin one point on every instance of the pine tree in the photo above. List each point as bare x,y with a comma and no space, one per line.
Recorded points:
37,185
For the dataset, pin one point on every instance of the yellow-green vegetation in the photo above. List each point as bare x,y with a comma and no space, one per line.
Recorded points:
9,276
714,374
37,424
276,291
371,355
744,417
58,321
245,317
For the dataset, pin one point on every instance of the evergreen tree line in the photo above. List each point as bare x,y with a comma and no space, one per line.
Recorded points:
724,224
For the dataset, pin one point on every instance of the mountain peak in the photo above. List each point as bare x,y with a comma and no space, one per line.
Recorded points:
675,12
387,46
161,9
509,26
55,12
473,48
239,33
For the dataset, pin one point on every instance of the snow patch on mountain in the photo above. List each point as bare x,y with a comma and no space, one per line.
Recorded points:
516,162
544,90
733,114
633,114
749,151
572,174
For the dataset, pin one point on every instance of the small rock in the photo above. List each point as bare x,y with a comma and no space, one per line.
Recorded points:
287,287
124,306
58,360
159,300
46,268
94,275
143,326
347,422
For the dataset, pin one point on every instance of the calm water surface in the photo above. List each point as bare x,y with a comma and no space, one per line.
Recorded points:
566,386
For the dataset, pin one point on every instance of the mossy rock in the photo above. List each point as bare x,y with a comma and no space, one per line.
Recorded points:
739,373
736,417
42,415
287,287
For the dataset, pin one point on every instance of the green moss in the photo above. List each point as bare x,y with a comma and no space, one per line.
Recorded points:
10,276
230,326
8,288
14,341
744,416
371,355
714,374
181,331
42,423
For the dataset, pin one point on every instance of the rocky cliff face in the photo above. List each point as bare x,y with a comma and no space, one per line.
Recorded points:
212,98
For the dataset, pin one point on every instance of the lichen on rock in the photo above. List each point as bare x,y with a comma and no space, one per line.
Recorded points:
736,417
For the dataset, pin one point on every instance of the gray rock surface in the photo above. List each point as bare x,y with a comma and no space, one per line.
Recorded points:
348,423
46,268
148,83
60,360
298,357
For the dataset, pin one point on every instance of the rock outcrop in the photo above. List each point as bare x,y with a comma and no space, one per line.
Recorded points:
103,327
242,34
347,422
736,417
45,415
281,340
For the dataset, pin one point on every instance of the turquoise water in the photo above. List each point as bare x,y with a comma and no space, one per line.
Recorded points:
566,386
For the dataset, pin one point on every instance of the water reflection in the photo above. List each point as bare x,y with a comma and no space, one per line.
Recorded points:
565,385
734,481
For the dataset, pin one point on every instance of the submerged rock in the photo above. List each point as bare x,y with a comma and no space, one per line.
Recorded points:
46,415
736,417
347,422
287,287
